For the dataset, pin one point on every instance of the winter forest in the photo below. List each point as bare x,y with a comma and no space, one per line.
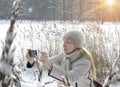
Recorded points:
41,24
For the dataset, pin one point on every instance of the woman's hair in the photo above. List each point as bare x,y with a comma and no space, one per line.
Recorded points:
85,52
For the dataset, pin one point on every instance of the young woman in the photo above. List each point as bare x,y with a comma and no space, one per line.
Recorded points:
74,67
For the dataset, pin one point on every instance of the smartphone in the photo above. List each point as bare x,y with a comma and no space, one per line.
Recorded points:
33,53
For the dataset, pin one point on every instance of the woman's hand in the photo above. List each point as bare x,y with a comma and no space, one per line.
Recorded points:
29,59
44,60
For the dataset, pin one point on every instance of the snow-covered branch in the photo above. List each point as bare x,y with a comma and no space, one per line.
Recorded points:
113,72
8,73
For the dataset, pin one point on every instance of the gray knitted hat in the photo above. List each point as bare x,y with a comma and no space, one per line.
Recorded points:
77,37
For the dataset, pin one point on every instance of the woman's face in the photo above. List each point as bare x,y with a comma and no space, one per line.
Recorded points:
68,46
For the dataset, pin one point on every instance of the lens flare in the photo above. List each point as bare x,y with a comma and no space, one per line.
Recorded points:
110,2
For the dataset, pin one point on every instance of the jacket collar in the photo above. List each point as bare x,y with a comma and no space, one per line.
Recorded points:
75,55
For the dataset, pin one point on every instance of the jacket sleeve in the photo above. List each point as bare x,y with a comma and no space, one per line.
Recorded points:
56,59
80,70
30,65
34,65
56,72
53,60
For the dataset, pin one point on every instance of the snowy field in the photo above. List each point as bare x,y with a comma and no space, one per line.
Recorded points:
29,77
30,81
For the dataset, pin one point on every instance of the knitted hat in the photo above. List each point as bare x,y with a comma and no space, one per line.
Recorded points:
77,37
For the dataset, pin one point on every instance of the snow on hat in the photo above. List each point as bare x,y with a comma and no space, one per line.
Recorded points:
77,38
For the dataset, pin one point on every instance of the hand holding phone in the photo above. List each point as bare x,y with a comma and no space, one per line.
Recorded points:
33,53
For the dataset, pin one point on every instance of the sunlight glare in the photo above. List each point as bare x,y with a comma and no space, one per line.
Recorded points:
110,2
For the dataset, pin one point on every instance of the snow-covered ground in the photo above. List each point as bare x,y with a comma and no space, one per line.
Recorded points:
29,79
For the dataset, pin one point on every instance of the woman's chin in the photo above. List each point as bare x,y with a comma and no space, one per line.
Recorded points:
65,51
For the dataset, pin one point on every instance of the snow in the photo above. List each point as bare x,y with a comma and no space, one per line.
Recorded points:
29,77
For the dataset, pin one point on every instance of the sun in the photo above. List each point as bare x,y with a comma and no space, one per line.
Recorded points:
110,2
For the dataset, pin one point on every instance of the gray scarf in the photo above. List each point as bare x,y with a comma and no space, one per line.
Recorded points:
69,58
